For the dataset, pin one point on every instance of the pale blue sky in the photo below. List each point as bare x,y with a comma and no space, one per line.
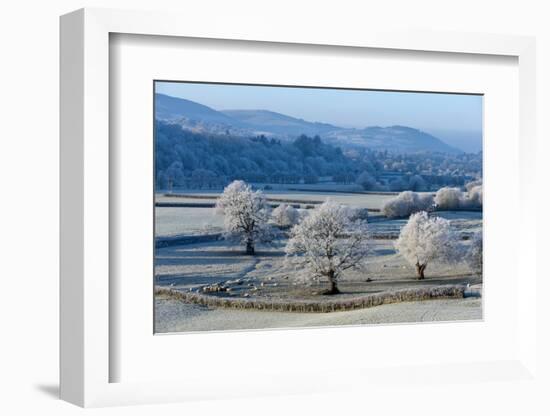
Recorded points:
456,119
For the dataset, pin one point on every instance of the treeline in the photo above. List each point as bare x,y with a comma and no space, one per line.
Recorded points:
197,160
202,160
423,171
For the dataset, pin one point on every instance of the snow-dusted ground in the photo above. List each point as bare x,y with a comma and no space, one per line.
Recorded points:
188,267
267,274
175,316
193,221
171,221
186,221
373,201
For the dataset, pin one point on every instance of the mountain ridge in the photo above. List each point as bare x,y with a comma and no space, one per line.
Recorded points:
201,118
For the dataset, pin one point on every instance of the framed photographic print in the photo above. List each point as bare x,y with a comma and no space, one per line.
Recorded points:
264,219
277,212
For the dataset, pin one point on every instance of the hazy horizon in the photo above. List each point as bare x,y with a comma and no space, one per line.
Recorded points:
454,118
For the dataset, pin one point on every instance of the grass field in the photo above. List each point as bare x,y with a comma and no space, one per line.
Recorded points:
372,201
267,275
171,221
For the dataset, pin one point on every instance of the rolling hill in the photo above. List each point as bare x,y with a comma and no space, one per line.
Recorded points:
200,118
276,123
172,108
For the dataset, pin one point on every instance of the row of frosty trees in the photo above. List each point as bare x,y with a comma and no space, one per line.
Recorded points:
446,198
334,238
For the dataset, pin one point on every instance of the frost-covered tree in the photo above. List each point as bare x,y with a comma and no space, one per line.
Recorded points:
407,203
203,178
449,198
473,184
417,183
285,216
174,174
454,198
424,240
328,242
246,214
359,214
367,181
398,184
474,198
474,255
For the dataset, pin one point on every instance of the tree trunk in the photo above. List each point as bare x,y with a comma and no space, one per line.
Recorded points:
250,247
333,288
420,270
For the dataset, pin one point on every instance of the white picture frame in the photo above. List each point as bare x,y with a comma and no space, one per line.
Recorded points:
86,353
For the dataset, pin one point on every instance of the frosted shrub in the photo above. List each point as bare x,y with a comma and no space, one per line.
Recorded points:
303,213
417,183
473,184
474,198
448,198
398,184
359,214
454,199
424,240
367,181
285,216
407,203
474,255
246,214
328,242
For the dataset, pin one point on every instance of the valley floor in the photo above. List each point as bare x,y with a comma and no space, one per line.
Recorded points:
267,275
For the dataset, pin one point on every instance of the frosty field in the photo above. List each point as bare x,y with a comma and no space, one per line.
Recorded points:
189,268
170,221
186,221
363,200
175,316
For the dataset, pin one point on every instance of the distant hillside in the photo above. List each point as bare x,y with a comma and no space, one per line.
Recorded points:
247,123
172,108
277,123
186,157
395,138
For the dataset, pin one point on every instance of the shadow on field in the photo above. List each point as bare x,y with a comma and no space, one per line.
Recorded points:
199,264
383,285
212,254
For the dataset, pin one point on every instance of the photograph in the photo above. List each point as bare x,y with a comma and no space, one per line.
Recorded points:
247,208
286,206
